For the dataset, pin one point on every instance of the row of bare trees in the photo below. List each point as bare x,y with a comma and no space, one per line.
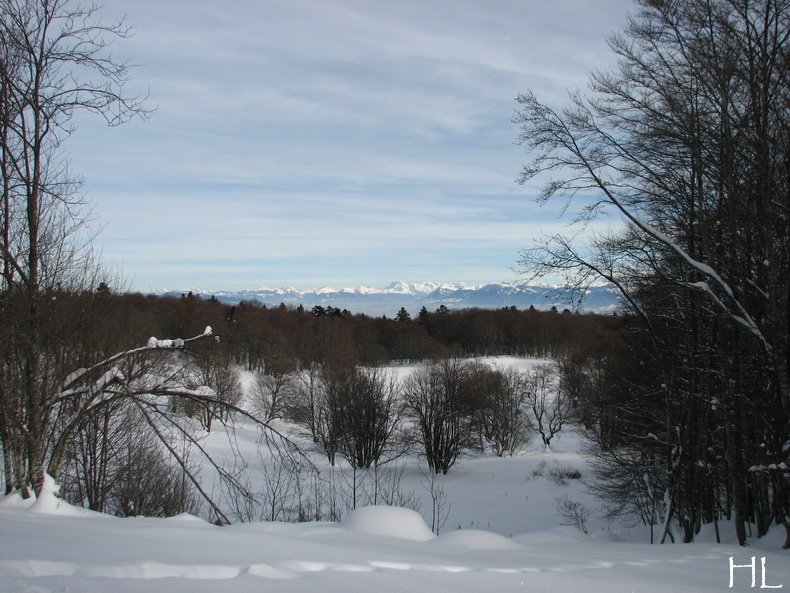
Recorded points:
370,418
687,141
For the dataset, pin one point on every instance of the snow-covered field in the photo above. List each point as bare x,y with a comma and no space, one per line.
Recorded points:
501,532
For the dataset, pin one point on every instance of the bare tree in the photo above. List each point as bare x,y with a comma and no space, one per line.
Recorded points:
686,141
273,393
149,482
370,411
359,414
147,379
440,507
213,372
435,398
307,393
96,459
550,406
55,63
500,405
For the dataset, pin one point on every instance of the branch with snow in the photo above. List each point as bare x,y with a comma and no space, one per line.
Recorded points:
153,343
83,397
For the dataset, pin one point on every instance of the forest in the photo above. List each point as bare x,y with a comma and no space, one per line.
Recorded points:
606,370
307,370
684,397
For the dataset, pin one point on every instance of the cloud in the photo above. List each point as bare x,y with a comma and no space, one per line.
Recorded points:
306,139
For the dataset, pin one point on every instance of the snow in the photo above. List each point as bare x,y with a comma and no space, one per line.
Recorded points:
64,552
412,296
154,342
476,539
388,521
502,533
74,376
48,502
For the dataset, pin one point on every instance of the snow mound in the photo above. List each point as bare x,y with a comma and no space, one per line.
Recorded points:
48,502
563,533
388,522
186,518
15,501
475,539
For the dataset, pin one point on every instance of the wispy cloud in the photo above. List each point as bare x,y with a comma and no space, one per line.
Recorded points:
312,142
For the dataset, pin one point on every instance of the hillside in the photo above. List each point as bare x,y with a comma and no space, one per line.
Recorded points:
52,547
502,530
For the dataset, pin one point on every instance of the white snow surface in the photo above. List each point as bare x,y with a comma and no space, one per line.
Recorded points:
388,521
92,553
503,534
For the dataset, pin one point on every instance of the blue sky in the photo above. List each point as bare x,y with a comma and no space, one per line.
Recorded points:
330,142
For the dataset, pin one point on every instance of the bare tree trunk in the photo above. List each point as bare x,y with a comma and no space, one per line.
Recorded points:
736,475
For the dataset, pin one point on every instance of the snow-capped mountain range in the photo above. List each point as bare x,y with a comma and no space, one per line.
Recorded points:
413,296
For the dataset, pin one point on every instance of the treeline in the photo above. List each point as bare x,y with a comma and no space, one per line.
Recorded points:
260,337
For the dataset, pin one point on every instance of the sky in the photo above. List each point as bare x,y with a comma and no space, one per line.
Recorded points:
341,143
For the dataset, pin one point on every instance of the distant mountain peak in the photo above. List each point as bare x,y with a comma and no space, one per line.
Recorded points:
431,295
400,286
